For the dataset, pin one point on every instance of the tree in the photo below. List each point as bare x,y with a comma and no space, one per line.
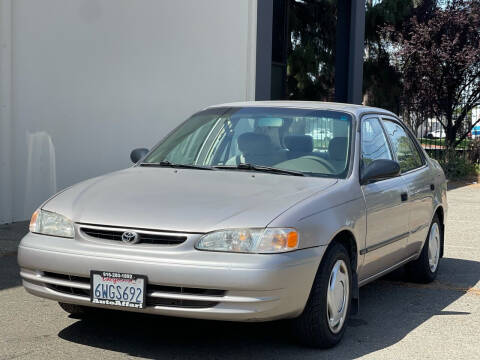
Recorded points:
382,85
311,60
381,81
440,64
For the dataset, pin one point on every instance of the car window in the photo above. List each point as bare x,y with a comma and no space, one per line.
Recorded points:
403,147
374,142
187,148
243,126
317,139
314,142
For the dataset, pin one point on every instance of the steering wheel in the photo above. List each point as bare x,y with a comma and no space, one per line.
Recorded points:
322,161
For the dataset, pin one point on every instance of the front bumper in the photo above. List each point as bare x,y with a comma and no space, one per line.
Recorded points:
255,287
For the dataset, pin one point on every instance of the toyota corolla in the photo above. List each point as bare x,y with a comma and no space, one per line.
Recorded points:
241,214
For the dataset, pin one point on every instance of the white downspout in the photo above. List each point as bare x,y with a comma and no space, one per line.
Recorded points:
6,177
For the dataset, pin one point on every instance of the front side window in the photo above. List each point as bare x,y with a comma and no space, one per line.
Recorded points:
314,142
403,147
374,142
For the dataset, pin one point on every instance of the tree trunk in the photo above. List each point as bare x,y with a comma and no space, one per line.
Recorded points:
450,136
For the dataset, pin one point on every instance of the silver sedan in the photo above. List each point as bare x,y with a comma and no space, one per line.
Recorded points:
241,214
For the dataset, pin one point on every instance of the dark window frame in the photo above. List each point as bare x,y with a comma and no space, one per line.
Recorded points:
379,117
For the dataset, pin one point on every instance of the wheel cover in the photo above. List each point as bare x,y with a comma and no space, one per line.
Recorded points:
434,247
337,296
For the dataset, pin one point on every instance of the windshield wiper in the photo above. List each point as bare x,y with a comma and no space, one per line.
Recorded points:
166,163
251,167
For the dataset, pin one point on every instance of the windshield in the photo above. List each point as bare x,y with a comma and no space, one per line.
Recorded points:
313,142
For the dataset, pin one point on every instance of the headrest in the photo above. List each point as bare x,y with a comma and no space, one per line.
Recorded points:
254,144
299,143
337,148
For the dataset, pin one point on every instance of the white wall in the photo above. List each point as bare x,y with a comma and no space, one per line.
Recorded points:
93,79
5,112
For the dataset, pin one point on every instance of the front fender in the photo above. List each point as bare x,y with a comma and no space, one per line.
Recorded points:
318,226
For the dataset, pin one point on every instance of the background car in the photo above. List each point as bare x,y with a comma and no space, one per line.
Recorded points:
436,134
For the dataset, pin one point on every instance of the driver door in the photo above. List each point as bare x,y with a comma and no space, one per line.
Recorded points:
386,206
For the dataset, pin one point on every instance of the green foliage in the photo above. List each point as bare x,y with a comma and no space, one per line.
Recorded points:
386,12
457,166
311,59
474,152
439,59
381,81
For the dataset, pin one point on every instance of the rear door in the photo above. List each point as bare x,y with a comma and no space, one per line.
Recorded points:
418,180
386,205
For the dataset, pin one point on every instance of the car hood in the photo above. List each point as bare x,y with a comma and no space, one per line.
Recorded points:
183,199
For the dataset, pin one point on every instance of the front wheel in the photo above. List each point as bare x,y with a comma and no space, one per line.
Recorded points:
425,268
323,321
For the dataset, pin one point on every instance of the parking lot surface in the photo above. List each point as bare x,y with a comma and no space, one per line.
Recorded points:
397,319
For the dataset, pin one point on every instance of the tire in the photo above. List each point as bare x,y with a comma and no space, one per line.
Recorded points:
312,327
421,270
77,311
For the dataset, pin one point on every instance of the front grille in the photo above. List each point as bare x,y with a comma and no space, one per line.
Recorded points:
145,237
185,290
80,279
150,300
68,289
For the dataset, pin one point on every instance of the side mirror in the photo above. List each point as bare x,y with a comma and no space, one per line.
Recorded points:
137,154
379,170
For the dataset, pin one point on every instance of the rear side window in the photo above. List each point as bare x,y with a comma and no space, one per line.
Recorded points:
374,142
403,147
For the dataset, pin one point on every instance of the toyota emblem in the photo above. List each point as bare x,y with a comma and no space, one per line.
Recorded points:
130,237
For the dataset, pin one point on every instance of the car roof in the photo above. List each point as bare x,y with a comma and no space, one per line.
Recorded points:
320,105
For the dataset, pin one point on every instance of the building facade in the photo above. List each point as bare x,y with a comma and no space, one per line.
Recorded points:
83,82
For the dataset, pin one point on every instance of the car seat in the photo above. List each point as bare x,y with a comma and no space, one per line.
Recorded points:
298,145
337,153
257,149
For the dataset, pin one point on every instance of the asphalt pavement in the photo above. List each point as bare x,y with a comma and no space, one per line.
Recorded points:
397,319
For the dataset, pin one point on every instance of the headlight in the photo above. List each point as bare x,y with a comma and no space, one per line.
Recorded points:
49,223
272,240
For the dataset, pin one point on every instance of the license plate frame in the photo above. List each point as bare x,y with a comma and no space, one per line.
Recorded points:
112,278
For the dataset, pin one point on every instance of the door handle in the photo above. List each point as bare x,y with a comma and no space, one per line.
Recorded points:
404,196
432,187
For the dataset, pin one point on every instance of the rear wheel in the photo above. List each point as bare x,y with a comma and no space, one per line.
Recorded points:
425,268
323,321
76,310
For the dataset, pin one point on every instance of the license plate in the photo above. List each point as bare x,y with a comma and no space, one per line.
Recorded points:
118,289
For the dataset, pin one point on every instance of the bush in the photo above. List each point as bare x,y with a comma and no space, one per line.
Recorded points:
457,166
474,151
